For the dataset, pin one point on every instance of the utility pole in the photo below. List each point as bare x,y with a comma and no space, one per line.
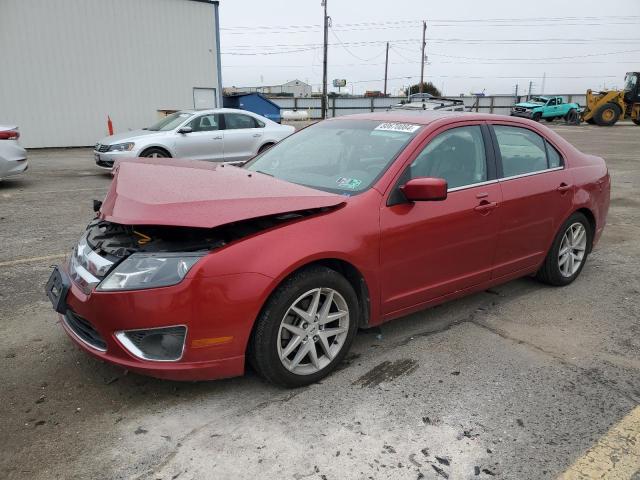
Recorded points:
516,94
530,87
324,61
424,43
386,69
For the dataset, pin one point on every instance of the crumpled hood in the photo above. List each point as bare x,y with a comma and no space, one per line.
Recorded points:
198,194
129,136
529,105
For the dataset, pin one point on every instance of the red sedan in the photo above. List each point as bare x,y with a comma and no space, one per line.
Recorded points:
190,269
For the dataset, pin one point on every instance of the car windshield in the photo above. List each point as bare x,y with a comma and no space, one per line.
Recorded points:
339,156
630,81
539,99
170,122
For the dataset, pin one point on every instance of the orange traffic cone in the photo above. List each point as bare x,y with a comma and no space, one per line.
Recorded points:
109,125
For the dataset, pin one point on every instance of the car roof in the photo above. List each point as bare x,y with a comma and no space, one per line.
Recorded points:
420,117
217,110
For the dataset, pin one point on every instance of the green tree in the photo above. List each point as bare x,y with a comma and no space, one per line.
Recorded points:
428,87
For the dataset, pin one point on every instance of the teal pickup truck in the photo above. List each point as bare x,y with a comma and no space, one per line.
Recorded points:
548,108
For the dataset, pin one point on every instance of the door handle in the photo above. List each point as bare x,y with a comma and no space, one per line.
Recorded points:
217,138
257,135
564,187
485,206
482,195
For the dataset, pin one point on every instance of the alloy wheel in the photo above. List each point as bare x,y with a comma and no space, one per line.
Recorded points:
313,331
572,249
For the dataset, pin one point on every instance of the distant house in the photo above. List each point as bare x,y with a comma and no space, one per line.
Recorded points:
294,88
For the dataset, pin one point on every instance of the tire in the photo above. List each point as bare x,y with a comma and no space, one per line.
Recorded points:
591,121
536,117
271,339
572,117
554,270
607,115
155,152
550,119
265,147
636,121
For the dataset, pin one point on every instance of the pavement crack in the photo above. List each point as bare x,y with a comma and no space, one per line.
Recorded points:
578,369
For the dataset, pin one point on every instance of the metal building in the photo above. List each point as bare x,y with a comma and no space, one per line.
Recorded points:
67,65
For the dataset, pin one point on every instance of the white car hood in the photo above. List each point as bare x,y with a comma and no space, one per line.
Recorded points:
128,136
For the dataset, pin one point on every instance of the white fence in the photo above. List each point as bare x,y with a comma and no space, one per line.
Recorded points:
500,104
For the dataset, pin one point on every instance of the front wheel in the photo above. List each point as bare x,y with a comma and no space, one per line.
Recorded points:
155,153
568,253
305,329
536,117
607,115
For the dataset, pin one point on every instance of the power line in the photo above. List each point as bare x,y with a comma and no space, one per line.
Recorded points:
400,23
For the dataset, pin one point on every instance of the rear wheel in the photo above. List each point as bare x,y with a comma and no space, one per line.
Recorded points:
265,147
572,117
155,152
607,115
569,252
305,329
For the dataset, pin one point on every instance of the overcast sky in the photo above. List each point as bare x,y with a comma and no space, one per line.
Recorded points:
471,46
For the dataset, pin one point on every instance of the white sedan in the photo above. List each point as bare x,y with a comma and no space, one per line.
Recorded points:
13,158
220,135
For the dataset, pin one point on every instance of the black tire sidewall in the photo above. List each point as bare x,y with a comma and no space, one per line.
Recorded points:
598,116
536,117
555,277
148,152
263,353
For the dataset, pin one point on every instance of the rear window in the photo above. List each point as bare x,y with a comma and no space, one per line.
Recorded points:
522,151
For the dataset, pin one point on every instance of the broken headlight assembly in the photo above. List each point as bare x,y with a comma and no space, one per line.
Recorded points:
145,270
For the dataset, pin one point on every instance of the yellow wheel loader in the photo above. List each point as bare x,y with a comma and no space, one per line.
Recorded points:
607,107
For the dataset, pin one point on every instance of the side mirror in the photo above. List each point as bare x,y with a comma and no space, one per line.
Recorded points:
184,130
425,189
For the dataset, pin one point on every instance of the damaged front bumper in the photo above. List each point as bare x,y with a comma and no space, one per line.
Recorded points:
524,113
216,328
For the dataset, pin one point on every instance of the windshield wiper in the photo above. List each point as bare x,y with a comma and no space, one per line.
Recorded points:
265,173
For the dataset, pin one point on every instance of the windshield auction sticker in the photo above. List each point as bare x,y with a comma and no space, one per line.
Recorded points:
397,127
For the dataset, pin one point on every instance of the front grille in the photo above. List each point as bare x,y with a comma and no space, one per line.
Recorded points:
105,163
520,109
84,331
101,148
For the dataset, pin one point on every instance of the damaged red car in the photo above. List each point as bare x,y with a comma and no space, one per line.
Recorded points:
191,269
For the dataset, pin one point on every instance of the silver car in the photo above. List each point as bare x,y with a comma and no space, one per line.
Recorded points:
13,158
221,135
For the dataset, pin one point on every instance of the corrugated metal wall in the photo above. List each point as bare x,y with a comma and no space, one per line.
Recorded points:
67,64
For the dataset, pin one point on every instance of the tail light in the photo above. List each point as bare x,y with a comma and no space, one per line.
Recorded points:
9,135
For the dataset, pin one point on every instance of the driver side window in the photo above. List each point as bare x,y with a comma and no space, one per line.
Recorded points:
205,123
456,155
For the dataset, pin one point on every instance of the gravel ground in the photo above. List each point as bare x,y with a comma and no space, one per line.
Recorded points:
514,383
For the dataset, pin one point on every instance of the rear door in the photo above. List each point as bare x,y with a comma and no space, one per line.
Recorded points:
242,136
537,194
204,142
430,249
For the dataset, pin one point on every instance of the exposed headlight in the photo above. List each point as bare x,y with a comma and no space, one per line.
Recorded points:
122,147
143,270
